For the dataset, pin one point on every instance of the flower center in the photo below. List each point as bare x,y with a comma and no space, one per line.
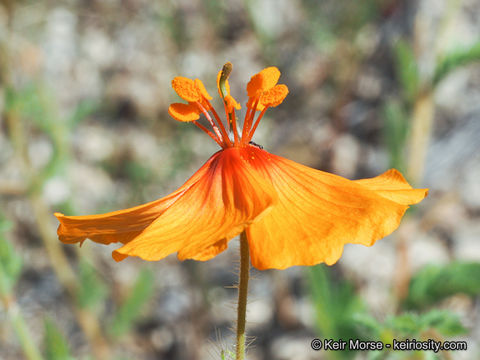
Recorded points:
263,92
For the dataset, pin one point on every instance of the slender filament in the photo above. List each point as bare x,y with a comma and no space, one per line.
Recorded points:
209,133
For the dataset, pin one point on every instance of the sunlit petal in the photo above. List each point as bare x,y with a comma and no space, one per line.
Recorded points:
393,186
229,196
317,213
116,226
209,252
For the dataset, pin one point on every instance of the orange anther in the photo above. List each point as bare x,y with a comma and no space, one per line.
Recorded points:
186,88
263,81
231,103
184,112
202,90
274,96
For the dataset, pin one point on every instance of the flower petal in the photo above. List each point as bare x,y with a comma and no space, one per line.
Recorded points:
122,225
184,112
393,186
229,196
116,226
186,88
317,213
263,81
211,251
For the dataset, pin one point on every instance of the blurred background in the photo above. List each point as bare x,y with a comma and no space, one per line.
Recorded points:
374,84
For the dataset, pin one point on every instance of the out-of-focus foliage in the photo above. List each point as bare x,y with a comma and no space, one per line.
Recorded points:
406,65
452,61
91,289
355,89
10,270
341,315
395,133
336,306
56,347
410,325
436,324
10,261
133,305
436,282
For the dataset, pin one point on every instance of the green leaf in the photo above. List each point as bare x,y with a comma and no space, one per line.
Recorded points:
407,69
336,307
430,355
376,355
368,325
35,103
10,266
127,313
406,324
454,60
82,111
5,225
445,322
91,289
395,132
436,282
56,347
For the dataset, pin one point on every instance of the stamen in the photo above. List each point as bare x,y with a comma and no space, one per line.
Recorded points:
209,133
210,120
234,125
254,128
220,123
248,121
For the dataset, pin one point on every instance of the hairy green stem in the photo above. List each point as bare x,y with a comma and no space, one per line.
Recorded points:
242,296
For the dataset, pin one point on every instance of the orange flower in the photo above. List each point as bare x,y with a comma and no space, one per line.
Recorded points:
292,214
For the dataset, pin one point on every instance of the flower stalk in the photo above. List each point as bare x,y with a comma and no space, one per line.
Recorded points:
242,296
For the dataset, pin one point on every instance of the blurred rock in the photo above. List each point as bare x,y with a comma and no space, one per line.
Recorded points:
467,241
259,312
470,189
345,156
40,152
288,347
369,84
56,190
451,157
162,339
375,268
90,186
340,69
98,47
426,249
94,143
